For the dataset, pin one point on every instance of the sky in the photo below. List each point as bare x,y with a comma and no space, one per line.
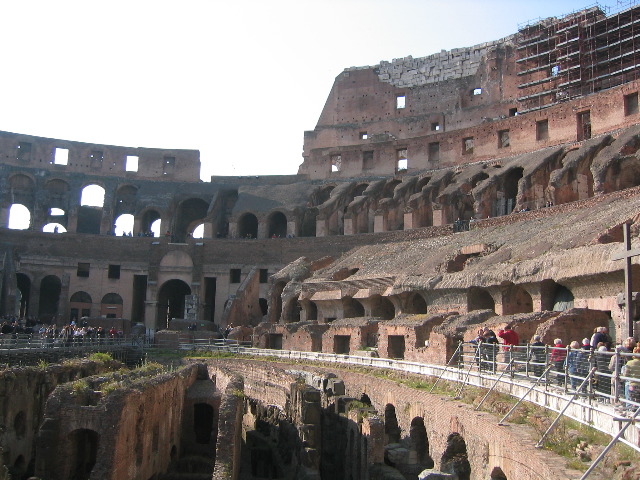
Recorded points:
238,80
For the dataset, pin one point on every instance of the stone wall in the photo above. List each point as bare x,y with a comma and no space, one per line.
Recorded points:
23,396
129,433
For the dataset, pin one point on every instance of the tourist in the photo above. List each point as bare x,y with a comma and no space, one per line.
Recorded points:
510,339
538,355
632,371
573,364
558,355
600,335
600,358
489,347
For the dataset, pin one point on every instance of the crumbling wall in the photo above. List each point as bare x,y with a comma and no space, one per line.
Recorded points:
23,395
132,432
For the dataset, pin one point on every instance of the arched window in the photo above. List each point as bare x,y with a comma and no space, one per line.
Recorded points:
92,196
19,217
124,224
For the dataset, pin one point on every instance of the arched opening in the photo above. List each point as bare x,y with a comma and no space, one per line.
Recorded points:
24,286
22,190
291,314
198,232
171,301
511,180
190,213
555,297
203,422
150,224
311,310
264,305
479,299
416,304
420,441
81,453
515,299
277,225
90,210
321,195
454,459
20,424
309,222
19,467
124,225
248,226
50,288
111,306
359,190
80,305
389,188
352,308
382,307
391,427
54,228
19,217
497,474
92,196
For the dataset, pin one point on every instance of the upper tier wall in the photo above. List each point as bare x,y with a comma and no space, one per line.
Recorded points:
102,160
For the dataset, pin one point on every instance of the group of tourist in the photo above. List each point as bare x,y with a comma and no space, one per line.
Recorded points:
570,364
73,333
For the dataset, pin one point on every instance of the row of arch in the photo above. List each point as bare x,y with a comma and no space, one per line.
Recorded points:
514,299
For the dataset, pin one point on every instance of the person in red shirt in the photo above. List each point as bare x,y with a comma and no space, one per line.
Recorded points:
509,338
558,355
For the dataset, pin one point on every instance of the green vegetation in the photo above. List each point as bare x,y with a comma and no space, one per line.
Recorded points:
80,387
42,364
100,357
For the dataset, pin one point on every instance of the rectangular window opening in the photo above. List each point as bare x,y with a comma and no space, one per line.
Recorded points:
367,160
467,146
264,275
435,127
23,153
477,91
363,136
61,156
83,270
503,139
402,160
513,112
542,129
131,163
584,125
631,104
234,275
114,271
434,152
401,101
336,163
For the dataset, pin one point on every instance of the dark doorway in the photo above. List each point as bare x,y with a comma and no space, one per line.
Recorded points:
203,422
264,305
24,285
391,427
479,299
89,219
248,226
82,454
275,341
395,346
139,297
209,298
50,288
341,344
277,225
171,301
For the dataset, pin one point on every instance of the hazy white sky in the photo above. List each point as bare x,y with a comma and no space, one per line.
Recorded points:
238,80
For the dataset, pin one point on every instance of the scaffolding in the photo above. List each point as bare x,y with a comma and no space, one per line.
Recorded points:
578,54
